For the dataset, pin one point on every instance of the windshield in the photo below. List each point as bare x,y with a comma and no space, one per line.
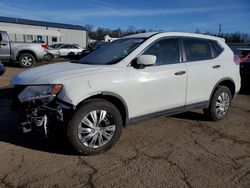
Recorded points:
112,53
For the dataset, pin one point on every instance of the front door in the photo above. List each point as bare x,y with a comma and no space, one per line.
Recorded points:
4,48
65,50
161,86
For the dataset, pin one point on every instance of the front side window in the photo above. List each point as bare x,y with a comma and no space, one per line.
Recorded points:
74,47
113,52
65,47
165,50
196,49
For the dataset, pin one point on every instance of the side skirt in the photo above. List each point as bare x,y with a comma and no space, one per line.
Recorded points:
169,112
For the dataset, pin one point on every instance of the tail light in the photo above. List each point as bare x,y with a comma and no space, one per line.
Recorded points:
245,58
45,46
236,59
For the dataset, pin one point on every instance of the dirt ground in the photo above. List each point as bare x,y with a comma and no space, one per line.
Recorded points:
178,151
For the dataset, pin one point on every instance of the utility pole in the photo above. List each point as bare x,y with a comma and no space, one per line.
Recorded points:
219,33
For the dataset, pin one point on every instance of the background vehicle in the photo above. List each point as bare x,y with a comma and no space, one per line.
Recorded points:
244,54
132,79
52,53
26,54
2,69
70,50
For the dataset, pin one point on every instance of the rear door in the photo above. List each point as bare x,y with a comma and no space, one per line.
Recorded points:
204,71
4,48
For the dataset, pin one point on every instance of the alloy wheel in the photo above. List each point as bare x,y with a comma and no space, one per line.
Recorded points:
27,61
96,129
222,104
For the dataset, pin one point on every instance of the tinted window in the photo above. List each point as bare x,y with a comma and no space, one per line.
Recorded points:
165,50
216,48
65,46
74,47
196,49
1,37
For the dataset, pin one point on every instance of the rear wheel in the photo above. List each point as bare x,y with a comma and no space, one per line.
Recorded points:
26,60
95,127
219,104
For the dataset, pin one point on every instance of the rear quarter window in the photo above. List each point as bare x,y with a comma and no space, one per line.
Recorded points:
216,48
196,49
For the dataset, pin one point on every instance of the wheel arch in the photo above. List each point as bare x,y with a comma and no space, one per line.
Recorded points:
228,82
113,98
26,51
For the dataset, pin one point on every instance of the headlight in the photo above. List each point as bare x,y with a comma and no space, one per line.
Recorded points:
32,93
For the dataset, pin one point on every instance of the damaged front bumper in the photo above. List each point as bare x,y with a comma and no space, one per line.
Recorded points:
41,114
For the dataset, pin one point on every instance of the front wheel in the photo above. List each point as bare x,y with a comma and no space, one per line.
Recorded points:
219,104
49,57
95,127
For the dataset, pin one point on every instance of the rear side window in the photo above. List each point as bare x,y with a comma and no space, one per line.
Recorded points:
216,48
1,37
165,50
196,49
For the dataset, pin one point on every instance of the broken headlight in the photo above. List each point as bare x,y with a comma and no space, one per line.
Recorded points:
39,92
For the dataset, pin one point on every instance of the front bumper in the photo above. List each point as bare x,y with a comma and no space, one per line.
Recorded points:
39,116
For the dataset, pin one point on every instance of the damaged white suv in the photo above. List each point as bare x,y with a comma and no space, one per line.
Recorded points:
131,79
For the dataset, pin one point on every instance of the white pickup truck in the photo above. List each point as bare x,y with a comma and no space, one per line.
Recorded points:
26,54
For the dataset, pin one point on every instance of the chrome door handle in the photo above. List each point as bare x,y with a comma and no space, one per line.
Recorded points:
216,66
180,73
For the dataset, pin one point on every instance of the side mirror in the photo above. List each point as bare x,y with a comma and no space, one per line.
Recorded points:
2,69
146,60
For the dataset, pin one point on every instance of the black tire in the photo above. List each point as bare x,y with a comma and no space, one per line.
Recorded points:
26,60
210,112
94,105
49,57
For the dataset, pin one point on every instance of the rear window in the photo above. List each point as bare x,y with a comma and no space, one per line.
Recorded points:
216,48
197,49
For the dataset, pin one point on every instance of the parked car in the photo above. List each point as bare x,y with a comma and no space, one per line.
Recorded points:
244,54
52,53
70,50
134,78
26,54
2,69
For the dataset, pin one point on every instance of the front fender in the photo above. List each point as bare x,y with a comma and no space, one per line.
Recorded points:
78,89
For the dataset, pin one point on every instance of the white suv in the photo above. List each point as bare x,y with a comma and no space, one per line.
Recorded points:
129,80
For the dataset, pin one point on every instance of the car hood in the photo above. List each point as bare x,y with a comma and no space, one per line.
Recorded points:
54,73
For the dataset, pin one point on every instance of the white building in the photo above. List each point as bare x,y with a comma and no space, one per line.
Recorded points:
22,30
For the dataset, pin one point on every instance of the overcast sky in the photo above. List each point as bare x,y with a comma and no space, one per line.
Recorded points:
168,15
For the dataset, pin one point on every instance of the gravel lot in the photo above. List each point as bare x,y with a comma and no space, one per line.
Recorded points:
178,151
